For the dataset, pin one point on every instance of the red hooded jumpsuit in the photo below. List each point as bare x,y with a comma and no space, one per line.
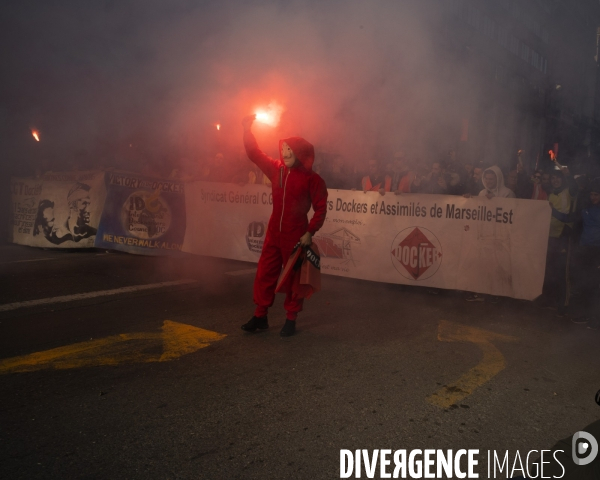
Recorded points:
294,191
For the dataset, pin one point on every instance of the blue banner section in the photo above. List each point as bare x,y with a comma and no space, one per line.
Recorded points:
142,215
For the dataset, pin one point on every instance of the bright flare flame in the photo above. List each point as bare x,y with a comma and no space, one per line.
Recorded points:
270,115
218,125
36,135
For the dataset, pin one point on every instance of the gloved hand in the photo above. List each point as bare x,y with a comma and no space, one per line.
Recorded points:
247,121
306,240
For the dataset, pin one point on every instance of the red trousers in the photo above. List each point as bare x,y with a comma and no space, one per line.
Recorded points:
275,253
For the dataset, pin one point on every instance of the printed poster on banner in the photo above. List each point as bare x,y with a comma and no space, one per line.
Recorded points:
232,220
493,246
57,210
142,215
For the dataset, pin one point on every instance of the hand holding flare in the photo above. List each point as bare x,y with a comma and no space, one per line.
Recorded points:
564,168
270,115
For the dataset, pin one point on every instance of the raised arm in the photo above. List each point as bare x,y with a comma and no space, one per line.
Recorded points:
255,154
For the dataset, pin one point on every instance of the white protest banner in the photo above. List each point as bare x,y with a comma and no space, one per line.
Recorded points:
57,210
494,246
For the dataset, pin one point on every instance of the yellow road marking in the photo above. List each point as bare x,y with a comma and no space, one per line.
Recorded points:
491,364
176,339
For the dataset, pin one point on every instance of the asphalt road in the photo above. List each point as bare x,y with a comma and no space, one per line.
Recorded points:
360,374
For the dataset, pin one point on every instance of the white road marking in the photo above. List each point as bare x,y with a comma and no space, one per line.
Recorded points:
31,260
100,293
235,273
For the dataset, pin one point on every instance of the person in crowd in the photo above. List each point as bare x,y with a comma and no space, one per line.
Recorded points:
318,166
453,166
583,184
468,168
534,190
562,200
218,169
388,169
582,181
337,175
434,182
174,174
264,180
189,171
204,170
546,182
239,172
295,189
516,180
474,183
376,180
398,172
493,181
406,180
42,167
455,180
149,169
588,256
254,173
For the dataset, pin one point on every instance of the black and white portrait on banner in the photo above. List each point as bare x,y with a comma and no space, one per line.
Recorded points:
60,210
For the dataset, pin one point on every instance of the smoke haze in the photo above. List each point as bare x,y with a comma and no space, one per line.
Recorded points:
108,82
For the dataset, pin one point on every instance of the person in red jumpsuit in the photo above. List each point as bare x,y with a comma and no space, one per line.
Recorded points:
295,189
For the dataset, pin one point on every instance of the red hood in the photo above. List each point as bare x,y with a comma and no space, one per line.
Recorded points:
303,150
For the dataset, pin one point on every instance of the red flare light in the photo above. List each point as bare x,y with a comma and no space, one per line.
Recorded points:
218,125
36,135
270,115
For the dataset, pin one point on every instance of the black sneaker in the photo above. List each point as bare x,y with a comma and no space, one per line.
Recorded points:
289,328
262,323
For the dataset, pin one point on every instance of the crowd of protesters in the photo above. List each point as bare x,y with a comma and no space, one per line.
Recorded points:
573,262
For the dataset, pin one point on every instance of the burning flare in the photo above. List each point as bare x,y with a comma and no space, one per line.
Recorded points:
36,135
218,125
270,115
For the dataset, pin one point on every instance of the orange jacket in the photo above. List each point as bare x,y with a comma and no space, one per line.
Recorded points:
369,187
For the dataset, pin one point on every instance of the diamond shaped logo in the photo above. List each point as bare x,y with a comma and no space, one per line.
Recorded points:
416,253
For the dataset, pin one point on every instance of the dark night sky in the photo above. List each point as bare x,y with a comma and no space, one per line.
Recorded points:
357,78
353,77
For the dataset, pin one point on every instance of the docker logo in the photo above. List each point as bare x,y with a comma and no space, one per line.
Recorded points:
416,253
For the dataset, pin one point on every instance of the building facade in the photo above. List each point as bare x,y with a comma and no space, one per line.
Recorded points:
531,66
